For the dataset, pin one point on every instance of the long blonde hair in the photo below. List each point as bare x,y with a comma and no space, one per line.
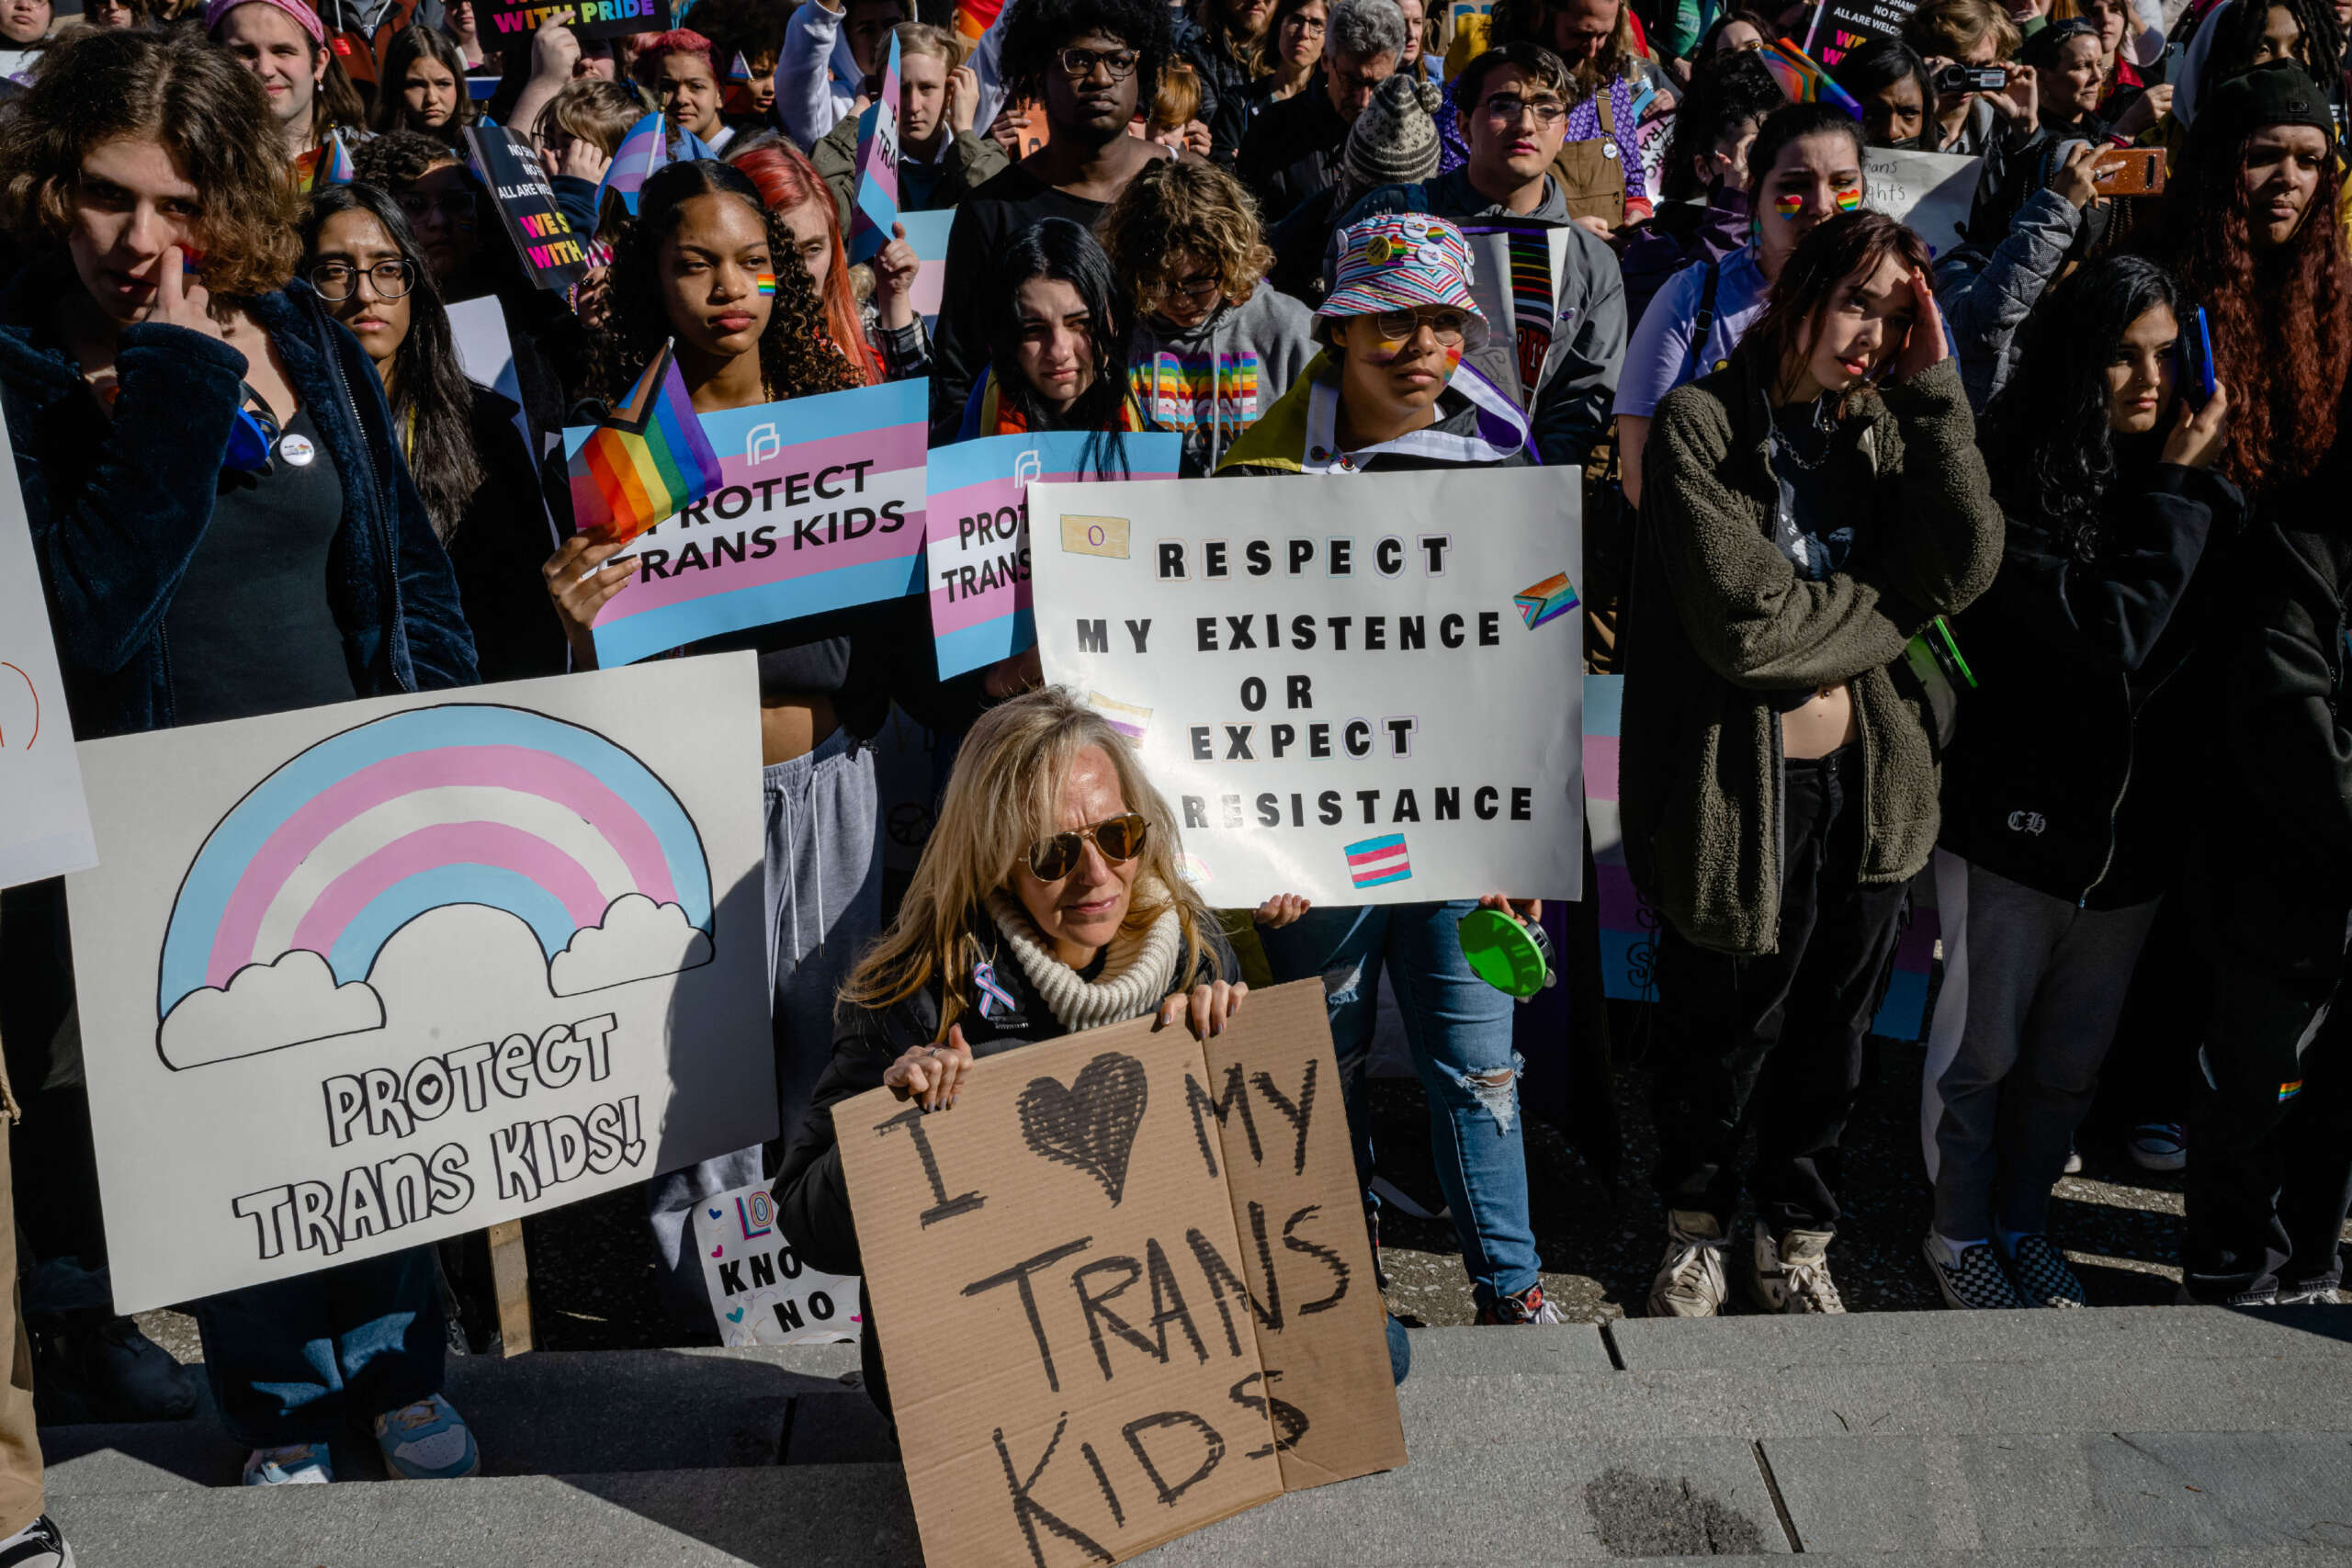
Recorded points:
1003,795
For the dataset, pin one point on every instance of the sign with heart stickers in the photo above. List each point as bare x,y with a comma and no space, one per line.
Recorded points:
761,1294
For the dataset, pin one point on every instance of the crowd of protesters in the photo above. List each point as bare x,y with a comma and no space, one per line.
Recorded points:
1998,564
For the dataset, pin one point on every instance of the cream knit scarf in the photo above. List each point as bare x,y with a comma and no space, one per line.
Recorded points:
1137,972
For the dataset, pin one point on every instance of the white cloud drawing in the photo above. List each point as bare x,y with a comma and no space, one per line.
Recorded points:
639,939
290,1000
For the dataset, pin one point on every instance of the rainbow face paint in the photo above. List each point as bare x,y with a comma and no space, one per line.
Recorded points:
765,283
1850,201
1789,207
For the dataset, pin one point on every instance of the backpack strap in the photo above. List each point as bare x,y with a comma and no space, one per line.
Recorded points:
1703,321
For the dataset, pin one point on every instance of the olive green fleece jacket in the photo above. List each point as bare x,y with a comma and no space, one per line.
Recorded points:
1722,623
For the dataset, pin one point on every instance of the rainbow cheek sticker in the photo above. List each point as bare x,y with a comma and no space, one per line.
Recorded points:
1849,201
1788,205
764,282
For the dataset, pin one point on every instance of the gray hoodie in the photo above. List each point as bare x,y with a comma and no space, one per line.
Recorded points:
1211,383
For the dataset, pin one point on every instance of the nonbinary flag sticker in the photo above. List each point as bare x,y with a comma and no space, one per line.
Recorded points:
1374,862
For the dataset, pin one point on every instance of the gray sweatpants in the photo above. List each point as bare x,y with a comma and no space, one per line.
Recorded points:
824,905
2032,988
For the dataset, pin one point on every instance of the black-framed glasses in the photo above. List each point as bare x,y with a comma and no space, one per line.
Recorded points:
1402,326
1119,838
1310,27
1078,64
340,280
458,206
1507,106
1197,289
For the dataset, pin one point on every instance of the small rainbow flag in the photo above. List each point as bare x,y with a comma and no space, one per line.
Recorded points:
1548,600
1801,80
2289,1090
646,461
973,16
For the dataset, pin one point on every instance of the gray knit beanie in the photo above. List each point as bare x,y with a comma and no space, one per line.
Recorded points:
1395,141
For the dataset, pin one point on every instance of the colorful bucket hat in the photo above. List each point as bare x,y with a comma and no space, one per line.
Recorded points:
1400,261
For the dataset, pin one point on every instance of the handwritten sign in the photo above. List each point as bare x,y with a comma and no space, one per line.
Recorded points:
761,1293
518,186
821,506
1364,692
1154,1254
374,973
976,543
1930,191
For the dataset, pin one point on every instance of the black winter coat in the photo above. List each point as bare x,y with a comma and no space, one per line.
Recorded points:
2077,761
1292,150
1224,88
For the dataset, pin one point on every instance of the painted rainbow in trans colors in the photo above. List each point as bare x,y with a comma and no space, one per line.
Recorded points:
461,804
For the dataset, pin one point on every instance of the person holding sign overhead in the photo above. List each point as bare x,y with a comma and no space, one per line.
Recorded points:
1390,391
1050,900
1810,509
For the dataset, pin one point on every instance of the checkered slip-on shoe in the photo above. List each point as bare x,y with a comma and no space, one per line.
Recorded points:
1977,1285
2041,1275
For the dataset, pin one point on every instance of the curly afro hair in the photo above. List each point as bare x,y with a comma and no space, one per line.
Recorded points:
797,355
1041,28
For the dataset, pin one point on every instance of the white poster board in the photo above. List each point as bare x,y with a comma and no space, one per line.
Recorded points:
44,825
1363,689
368,975
760,1290
1930,191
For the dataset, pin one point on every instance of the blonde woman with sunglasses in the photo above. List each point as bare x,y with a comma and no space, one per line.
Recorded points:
1048,902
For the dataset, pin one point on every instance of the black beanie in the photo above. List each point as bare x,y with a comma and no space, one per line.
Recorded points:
2277,91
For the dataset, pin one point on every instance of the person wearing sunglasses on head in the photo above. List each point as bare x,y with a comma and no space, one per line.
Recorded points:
1390,391
1048,901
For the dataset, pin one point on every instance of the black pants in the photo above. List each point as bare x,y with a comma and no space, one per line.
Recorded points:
1778,1038
2270,1138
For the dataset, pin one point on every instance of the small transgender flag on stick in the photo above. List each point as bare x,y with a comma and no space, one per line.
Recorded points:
1374,862
646,462
651,142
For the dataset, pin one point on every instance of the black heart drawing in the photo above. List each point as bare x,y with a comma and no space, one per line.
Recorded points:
1090,1124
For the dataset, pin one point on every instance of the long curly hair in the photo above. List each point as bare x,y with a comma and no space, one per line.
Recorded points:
1183,210
207,111
787,183
432,400
797,355
2280,317
2046,437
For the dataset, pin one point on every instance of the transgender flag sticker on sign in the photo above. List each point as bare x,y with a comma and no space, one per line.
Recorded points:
1374,862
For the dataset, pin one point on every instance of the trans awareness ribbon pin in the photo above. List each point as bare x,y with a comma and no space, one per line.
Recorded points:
984,977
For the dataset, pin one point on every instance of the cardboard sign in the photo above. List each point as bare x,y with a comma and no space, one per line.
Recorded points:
45,829
927,236
877,207
975,545
1153,1254
1841,27
505,20
1930,191
518,188
377,972
761,1293
821,506
1361,690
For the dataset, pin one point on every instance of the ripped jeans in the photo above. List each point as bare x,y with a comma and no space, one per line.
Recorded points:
1459,1028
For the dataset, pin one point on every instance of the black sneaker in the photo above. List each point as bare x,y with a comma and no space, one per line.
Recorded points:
2041,1275
1976,1283
39,1544
96,1367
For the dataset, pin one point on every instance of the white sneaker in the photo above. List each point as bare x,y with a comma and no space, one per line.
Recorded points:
295,1465
1690,1283
1793,1275
2160,1146
39,1544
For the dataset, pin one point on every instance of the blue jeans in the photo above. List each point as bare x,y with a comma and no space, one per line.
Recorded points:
296,1361
1459,1028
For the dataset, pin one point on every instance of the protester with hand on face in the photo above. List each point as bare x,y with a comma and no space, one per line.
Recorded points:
424,86
559,58
2075,763
1703,215
940,159
1050,900
1808,510
1887,77
471,469
1091,63
1803,168
24,27
577,135
214,487
462,28
1214,345
1391,393
834,53
883,336
281,42
2126,101
1294,148
1563,365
